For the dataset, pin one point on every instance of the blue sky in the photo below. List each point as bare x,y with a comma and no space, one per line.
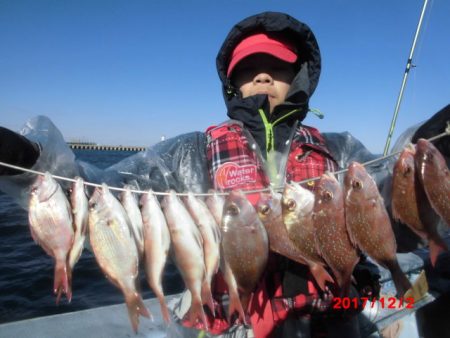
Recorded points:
128,72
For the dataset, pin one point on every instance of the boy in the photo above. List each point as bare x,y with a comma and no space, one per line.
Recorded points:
269,66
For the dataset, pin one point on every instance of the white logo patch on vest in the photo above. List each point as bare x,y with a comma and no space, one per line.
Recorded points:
231,174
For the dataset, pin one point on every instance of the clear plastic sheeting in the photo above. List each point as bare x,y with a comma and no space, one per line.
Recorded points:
178,163
56,157
345,149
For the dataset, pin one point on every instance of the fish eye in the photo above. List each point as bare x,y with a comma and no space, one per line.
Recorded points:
233,209
357,184
291,204
327,195
264,209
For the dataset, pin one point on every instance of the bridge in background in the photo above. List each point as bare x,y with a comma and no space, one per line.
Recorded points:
94,146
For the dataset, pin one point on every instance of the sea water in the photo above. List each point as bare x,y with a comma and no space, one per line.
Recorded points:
26,271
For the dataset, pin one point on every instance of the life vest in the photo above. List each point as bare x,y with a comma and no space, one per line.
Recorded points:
234,163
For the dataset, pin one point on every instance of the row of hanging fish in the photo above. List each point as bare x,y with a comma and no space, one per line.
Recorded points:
325,230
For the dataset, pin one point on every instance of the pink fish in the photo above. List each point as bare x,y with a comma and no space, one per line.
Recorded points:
80,211
156,246
245,245
131,206
210,232
50,220
410,204
435,177
115,250
270,212
215,204
332,240
187,245
368,223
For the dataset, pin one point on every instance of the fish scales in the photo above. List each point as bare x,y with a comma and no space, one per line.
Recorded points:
331,235
51,227
156,246
131,206
80,211
215,204
297,206
410,204
210,233
435,177
270,212
114,249
369,225
188,253
245,244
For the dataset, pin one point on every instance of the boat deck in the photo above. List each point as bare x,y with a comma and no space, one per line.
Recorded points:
112,321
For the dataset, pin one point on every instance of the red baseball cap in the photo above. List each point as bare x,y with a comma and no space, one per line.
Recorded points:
261,43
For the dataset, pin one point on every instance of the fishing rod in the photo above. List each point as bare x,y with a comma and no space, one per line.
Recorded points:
405,77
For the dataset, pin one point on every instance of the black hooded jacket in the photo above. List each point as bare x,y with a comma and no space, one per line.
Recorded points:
302,87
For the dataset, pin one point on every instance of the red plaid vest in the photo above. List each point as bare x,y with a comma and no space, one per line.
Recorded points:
233,164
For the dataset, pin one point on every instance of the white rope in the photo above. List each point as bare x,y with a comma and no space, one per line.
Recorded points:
62,178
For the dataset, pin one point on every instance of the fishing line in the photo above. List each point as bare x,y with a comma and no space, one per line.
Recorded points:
158,193
405,77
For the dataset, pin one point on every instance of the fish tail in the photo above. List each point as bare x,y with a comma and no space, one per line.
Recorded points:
75,254
246,299
236,306
402,284
135,308
69,283
437,246
61,281
163,306
207,297
320,275
196,313
156,287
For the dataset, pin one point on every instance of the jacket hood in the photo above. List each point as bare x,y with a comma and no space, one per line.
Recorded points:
309,64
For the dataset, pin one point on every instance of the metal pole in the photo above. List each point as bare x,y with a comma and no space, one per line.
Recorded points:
405,76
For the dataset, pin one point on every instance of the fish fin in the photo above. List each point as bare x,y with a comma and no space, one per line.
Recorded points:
164,309
246,299
196,314
69,284
157,290
236,307
61,281
207,298
135,308
350,233
58,296
401,282
437,246
320,275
